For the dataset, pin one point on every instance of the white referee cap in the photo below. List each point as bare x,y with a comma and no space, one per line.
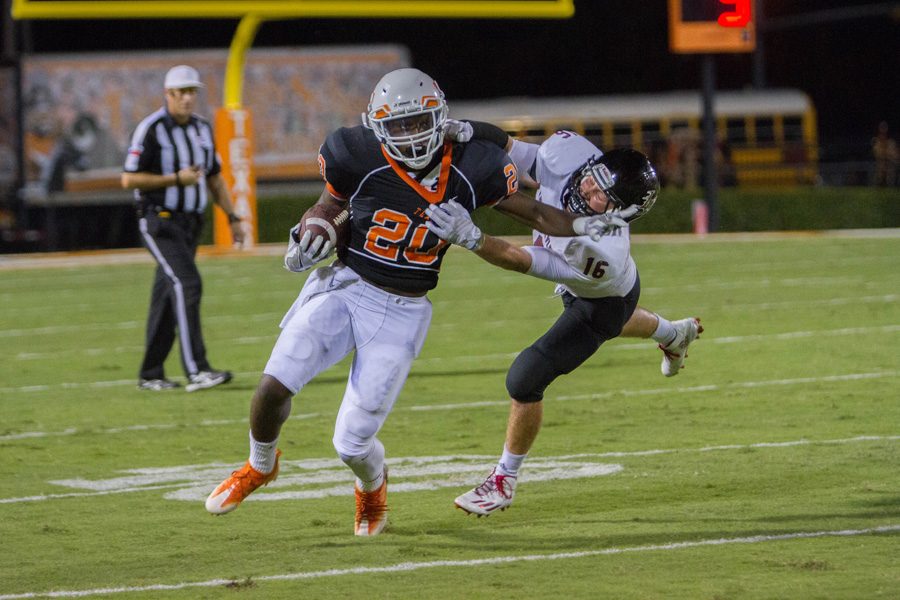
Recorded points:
181,77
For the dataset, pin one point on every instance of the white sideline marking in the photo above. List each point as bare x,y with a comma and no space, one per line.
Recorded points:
861,438
642,345
495,324
791,282
315,478
475,562
209,254
193,482
454,406
55,329
676,390
152,427
698,309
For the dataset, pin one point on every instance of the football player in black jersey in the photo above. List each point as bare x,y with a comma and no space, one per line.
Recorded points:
372,299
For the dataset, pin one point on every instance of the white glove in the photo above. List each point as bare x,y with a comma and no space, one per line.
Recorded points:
458,131
450,221
596,226
303,254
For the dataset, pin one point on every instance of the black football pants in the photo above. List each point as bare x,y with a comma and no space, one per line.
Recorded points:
578,333
172,240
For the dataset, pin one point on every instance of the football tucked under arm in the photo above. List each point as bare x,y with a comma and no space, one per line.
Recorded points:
322,229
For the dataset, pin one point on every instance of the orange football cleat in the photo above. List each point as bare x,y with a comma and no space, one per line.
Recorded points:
231,492
371,510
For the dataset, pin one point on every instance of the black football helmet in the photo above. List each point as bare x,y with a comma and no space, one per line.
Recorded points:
624,174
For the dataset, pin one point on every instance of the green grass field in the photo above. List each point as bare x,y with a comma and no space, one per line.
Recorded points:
769,468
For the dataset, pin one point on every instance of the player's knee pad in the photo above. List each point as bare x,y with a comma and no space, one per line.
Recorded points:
351,460
354,432
368,466
382,383
529,376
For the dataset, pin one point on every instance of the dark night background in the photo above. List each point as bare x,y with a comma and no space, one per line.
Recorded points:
850,68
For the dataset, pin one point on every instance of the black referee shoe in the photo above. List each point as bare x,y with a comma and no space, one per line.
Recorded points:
207,379
157,385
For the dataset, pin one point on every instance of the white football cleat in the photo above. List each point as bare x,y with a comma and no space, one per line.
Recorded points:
496,493
686,331
207,379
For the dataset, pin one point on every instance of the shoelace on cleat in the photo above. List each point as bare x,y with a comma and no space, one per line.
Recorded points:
493,482
367,505
248,480
669,353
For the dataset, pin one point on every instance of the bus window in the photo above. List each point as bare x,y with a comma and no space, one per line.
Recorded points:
534,134
594,133
765,130
735,133
651,133
793,127
771,133
622,135
679,124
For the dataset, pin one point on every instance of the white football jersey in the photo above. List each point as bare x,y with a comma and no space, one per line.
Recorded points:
593,269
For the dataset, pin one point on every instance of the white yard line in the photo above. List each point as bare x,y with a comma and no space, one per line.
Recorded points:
139,255
28,435
462,564
642,345
190,472
444,305
888,298
453,406
674,390
789,444
471,282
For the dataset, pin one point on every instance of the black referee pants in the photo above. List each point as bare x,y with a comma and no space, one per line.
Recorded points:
175,300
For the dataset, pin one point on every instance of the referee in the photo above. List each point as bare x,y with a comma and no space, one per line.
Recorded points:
174,170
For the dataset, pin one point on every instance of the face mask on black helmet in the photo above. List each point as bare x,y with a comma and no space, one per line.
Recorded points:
407,112
625,176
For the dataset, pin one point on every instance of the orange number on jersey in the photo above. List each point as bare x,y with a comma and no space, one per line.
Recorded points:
384,238
512,179
416,253
392,229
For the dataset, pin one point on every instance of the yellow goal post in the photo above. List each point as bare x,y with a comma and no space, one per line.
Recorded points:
233,122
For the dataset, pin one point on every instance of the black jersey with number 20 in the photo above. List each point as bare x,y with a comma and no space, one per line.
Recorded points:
389,242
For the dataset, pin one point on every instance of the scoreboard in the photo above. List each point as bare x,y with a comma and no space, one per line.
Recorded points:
711,26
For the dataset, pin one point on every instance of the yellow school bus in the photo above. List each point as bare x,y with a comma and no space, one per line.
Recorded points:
766,137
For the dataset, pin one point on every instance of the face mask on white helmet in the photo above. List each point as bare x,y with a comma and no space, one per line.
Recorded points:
406,113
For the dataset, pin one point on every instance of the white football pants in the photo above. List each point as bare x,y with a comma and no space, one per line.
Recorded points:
336,312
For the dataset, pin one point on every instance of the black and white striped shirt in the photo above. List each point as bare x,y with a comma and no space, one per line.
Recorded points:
160,145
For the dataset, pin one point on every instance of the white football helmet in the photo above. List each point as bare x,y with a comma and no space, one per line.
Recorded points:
407,113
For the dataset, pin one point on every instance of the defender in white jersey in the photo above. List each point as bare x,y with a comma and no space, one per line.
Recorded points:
593,269
597,279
